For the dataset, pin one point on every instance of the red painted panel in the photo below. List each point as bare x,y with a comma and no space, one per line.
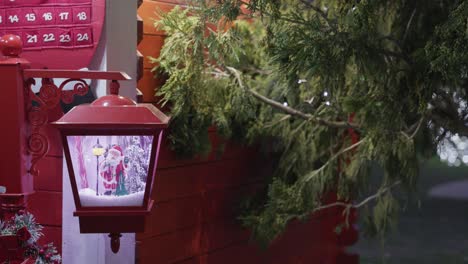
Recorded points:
13,165
212,206
46,207
223,203
150,46
222,234
169,248
50,174
173,215
194,260
53,135
242,253
190,180
221,150
147,12
147,85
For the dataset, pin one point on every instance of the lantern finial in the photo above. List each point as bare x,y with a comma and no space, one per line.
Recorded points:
115,242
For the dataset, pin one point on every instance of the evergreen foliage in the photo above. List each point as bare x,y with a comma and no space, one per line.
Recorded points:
23,225
303,76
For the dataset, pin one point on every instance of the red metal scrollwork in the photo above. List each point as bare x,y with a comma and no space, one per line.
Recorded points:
49,97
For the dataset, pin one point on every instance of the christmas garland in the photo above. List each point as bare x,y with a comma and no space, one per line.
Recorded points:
18,241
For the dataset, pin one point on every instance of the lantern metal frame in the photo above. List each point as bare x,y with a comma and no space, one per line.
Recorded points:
113,115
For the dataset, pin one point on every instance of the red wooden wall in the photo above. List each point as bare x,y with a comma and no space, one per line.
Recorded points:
194,216
46,202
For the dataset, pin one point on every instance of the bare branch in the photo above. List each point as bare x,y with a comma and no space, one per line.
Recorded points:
414,128
348,206
421,120
408,25
290,110
317,171
378,194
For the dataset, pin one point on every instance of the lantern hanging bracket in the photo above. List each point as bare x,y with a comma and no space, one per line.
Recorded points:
49,96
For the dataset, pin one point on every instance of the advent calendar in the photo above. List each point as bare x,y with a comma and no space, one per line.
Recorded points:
43,24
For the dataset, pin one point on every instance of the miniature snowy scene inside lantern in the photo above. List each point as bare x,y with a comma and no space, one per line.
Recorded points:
110,170
111,147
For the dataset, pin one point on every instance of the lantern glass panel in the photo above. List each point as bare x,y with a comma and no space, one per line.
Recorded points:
110,170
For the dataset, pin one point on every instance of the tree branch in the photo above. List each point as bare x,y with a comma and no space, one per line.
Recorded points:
290,110
378,194
321,13
317,171
408,25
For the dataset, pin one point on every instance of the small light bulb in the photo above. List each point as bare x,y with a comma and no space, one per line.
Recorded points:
328,103
285,103
325,93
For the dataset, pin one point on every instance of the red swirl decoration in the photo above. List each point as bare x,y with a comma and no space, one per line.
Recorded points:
48,98
80,88
36,117
49,94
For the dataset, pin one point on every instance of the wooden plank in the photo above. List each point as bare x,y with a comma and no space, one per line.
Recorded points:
212,206
186,181
148,85
220,150
148,12
46,207
75,74
170,248
193,260
150,46
224,203
139,67
139,29
50,174
222,234
241,253
173,215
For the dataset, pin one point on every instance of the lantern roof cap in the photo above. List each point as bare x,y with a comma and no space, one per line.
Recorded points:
123,113
113,100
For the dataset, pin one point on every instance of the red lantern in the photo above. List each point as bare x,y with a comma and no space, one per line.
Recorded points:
111,148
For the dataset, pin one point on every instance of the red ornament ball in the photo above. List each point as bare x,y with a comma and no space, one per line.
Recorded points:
11,45
41,252
48,256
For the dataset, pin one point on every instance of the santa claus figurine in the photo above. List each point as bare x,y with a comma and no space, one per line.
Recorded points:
112,170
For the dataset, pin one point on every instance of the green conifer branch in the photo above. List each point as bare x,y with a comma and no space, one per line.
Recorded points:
290,110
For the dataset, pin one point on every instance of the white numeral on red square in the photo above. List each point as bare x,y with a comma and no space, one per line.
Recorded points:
31,38
13,19
65,38
82,37
48,37
82,16
31,17
64,15
48,16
